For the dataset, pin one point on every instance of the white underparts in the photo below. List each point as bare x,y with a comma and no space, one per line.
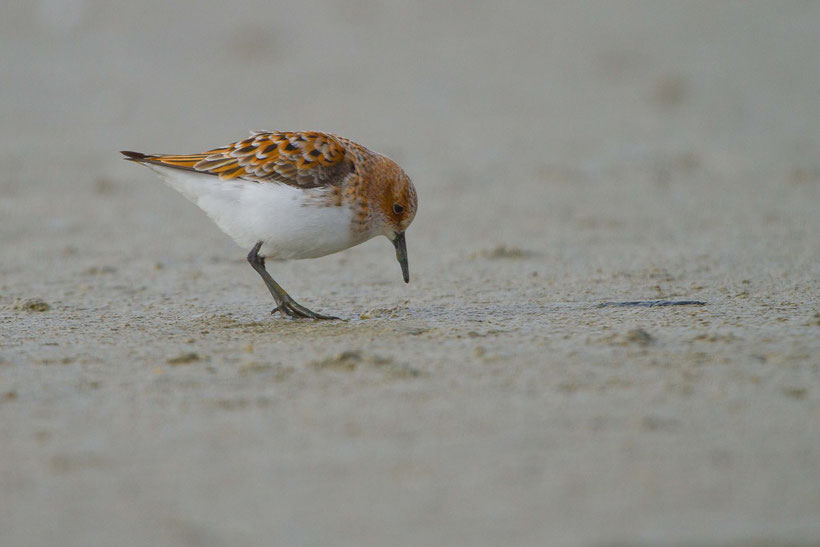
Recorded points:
288,220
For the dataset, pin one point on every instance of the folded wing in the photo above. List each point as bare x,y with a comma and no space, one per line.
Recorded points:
307,159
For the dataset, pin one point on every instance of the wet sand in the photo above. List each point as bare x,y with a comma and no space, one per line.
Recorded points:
565,157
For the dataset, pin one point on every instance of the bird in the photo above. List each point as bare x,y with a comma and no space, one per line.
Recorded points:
294,195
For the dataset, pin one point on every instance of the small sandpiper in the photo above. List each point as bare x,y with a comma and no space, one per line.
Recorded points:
294,194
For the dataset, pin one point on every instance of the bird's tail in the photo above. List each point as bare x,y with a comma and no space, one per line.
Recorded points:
186,162
138,157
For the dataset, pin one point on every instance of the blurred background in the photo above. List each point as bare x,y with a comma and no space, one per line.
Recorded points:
564,153
467,96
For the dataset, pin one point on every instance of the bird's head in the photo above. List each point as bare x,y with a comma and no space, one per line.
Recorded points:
396,204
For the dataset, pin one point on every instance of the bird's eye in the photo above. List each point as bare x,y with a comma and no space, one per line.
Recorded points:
398,209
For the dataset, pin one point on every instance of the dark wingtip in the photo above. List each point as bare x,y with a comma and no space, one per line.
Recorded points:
134,156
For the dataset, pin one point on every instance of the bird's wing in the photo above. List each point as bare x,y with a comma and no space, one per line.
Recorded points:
306,159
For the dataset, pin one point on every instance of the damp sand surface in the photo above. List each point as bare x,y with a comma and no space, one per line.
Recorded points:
612,331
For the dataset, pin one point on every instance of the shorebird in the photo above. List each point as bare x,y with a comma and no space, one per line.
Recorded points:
294,194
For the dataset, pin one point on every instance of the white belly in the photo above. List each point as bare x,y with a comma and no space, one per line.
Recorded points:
286,219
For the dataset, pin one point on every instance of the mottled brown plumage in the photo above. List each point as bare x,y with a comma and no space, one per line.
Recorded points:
307,159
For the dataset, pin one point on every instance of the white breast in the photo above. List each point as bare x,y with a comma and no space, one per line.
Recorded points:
288,220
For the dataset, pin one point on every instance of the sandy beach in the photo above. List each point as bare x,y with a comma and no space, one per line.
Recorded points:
566,156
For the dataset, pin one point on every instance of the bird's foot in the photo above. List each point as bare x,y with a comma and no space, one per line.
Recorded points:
290,308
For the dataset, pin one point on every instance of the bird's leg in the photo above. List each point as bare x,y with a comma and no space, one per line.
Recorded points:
284,303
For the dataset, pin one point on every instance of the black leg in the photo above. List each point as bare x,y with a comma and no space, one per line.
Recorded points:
284,303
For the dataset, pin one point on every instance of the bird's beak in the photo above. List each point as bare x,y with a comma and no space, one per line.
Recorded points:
401,255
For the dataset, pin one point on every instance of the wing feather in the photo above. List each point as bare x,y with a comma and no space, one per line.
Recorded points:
307,159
